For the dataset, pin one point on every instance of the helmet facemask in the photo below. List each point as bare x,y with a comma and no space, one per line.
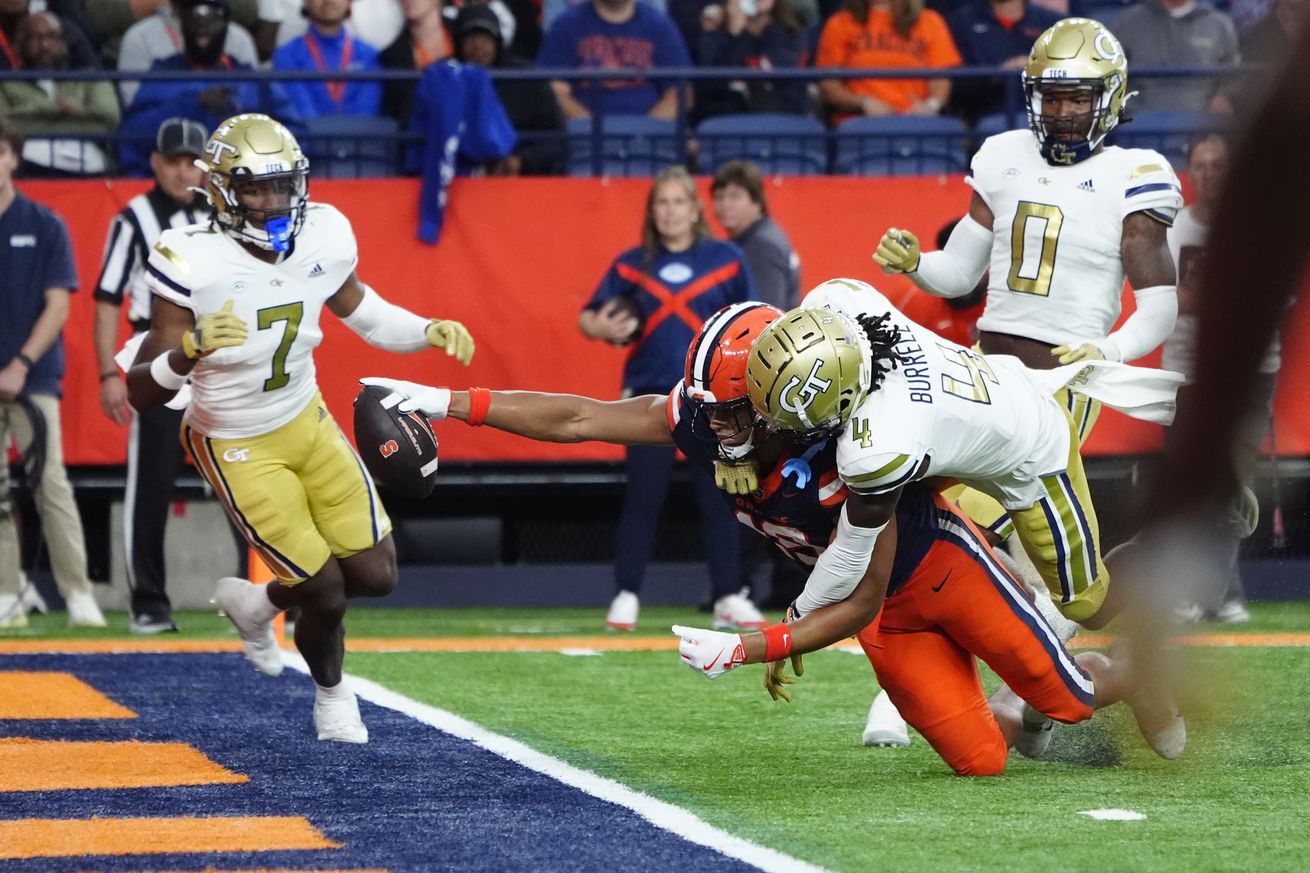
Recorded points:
257,181
275,226
1068,139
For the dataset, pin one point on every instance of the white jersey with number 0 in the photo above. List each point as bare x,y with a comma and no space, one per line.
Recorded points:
256,387
1057,275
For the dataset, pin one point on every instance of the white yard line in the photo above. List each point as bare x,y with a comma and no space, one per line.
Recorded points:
663,815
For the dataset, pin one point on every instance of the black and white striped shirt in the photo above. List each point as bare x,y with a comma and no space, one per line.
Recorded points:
132,233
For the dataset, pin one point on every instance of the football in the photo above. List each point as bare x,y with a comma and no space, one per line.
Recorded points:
398,448
627,306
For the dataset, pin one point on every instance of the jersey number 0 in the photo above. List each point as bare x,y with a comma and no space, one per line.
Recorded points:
1033,238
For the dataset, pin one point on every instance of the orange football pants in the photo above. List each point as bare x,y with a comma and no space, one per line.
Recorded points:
961,603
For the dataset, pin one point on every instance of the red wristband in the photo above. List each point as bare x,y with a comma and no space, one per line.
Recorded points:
777,642
479,403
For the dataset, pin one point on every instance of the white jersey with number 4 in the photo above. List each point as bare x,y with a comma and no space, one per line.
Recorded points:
259,386
973,418
1057,274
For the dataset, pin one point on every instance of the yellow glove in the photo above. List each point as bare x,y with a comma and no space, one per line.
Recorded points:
213,331
1074,354
776,680
898,252
736,478
451,336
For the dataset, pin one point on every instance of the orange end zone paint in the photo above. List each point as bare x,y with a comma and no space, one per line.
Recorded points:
49,765
62,838
26,694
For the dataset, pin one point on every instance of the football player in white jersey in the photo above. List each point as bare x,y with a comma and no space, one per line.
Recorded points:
237,316
1061,219
904,404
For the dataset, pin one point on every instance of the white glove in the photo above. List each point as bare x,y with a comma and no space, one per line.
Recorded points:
708,652
432,402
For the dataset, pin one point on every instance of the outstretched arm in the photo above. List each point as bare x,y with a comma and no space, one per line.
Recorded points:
554,418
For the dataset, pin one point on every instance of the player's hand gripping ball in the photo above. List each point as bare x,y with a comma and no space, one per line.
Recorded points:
399,448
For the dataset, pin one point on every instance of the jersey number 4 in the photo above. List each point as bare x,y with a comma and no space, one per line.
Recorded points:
1034,236
290,313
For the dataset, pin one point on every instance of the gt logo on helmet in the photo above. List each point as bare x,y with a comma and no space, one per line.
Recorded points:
808,393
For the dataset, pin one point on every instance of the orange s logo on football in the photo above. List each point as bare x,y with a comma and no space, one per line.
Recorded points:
388,448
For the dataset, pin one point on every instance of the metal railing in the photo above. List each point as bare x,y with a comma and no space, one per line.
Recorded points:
609,145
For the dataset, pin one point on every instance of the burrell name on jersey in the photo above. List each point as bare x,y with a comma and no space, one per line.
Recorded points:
975,419
1057,275
236,392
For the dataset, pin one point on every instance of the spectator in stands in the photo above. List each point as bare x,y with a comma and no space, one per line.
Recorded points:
552,9
655,297
163,35
1220,595
424,40
375,22
995,33
611,35
107,21
1177,33
55,106
327,46
38,277
154,453
81,53
955,318
885,33
204,29
530,105
743,210
769,38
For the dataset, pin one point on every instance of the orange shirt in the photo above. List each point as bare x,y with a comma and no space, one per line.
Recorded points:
875,43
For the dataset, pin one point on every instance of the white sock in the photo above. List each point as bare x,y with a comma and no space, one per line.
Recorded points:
334,693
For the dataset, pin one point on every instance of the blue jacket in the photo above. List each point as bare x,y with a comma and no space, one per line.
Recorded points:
462,123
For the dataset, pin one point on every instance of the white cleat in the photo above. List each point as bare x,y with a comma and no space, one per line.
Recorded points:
83,611
623,612
737,612
885,727
13,614
1162,725
1232,612
338,721
1035,737
30,597
248,608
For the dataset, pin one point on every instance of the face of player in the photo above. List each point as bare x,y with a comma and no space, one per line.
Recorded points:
1206,168
176,176
735,209
733,423
265,197
327,13
675,215
1067,113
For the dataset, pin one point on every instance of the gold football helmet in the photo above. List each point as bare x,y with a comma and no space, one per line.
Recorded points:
1083,55
253,156
808,371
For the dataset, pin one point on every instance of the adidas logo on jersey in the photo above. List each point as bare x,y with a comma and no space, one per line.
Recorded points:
316,272
1086,186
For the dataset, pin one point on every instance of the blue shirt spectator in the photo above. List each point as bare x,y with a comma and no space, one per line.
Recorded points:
208,102
610,35
37,257
327,46
995,34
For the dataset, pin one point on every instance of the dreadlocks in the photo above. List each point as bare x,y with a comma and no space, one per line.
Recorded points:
883,338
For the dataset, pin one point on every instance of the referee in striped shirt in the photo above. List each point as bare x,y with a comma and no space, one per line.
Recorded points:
154,453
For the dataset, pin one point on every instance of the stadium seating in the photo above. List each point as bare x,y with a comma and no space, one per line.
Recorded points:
1170,133
788,144
352,146
899,145
999,122
630,145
